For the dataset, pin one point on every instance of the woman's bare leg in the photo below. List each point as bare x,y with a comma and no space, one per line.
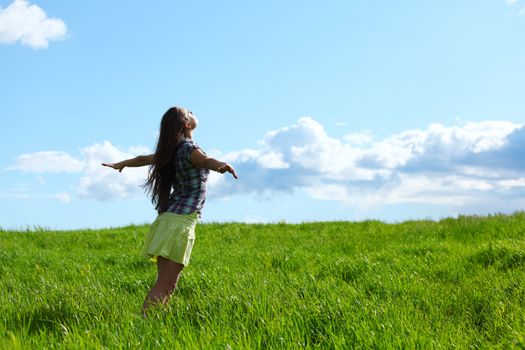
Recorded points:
168,273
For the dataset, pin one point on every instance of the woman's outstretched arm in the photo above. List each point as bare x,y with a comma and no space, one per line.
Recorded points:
133,162
201,160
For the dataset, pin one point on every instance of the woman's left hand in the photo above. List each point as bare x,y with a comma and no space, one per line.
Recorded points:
228,168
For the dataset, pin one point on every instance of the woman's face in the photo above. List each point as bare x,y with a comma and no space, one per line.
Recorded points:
193,120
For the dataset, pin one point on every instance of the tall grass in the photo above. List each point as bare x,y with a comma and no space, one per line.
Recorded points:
453,283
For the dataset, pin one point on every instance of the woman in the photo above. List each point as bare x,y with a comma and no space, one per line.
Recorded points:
179,164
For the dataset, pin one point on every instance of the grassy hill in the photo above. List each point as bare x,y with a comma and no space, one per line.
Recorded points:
457,282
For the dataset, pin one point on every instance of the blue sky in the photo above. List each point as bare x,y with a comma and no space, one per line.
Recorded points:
333,110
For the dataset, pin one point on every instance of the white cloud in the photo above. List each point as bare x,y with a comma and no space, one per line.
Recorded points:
272,160
47,161
329,192
29,24
509,184
359,139
452,166
476,165
512,2
104,183
96,181
436,144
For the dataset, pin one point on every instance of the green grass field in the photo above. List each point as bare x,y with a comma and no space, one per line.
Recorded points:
453,283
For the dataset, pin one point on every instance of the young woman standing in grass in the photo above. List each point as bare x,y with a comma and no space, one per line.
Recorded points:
179,164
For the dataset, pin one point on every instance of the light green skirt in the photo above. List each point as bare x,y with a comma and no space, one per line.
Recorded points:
171,236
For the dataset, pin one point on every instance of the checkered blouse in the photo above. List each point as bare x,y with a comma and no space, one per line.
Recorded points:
189,188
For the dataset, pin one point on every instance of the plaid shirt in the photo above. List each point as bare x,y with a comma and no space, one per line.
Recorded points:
189,186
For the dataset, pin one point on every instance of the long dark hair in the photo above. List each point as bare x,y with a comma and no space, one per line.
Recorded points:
161,172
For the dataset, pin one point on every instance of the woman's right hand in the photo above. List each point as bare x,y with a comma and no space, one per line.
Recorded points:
116,166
